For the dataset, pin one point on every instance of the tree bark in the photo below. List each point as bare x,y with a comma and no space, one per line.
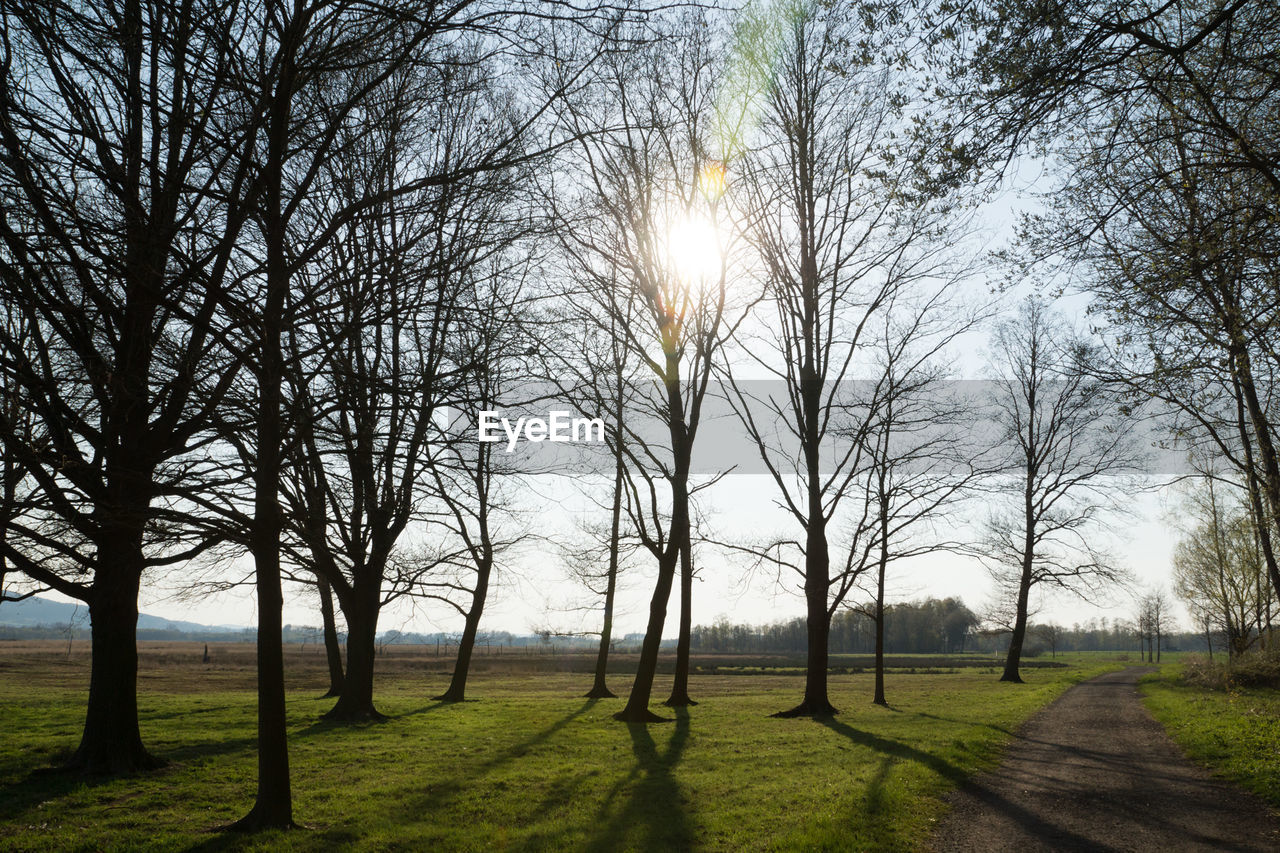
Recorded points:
356,702
637,707
111,742
457,691
1014,657
817,626
1270,480
332,648
680,687
599,689
879,698
273,807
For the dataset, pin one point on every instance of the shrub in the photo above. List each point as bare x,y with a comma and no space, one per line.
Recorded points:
1251,669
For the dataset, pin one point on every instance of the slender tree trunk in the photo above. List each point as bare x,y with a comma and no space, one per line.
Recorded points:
680,687
273,807
600,690
1264,529
1270,480
332,648
880,573
457,691
881,569
1014,657
637,707
111,742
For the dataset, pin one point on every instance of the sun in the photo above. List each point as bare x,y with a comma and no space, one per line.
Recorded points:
694,248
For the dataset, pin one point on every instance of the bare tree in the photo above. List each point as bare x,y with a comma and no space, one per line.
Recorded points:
620,238
473,475
124,170
920,454
1070,455
839,232
375,366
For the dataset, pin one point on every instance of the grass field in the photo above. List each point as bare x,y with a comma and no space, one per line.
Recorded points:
527,764
1235,733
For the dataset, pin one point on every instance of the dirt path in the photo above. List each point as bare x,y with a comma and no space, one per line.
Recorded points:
1094,771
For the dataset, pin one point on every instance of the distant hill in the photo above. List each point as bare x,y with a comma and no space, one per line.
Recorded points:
37,611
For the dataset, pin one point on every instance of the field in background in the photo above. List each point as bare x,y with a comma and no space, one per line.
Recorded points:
526,764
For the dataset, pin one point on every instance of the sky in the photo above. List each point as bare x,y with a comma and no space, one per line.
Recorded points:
534,589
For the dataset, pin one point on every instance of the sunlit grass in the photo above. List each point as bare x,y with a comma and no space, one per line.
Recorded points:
1235,733
527,765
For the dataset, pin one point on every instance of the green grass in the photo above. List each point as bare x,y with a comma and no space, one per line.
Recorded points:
1235,733
526,765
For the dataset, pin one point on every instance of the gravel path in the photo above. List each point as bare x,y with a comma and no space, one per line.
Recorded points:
1094,771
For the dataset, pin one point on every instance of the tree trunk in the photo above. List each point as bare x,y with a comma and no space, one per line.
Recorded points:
817,582
273,807
457,691
599,689
879,695
1264,528
637,707
1014,657
356,702
680,687
332,648
111,742
1270,480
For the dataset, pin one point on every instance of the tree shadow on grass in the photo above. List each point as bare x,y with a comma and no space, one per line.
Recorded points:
434,706
653,816
1027,819
1001,729
446,789
51,783
895,748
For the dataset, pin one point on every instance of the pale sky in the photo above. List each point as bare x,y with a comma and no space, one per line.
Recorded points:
533,590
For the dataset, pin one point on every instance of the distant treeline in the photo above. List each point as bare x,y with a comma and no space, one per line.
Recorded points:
930,626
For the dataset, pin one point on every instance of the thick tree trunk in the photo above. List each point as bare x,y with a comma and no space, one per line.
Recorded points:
111,742
680,687
332,648
457,691
817,583
356,702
